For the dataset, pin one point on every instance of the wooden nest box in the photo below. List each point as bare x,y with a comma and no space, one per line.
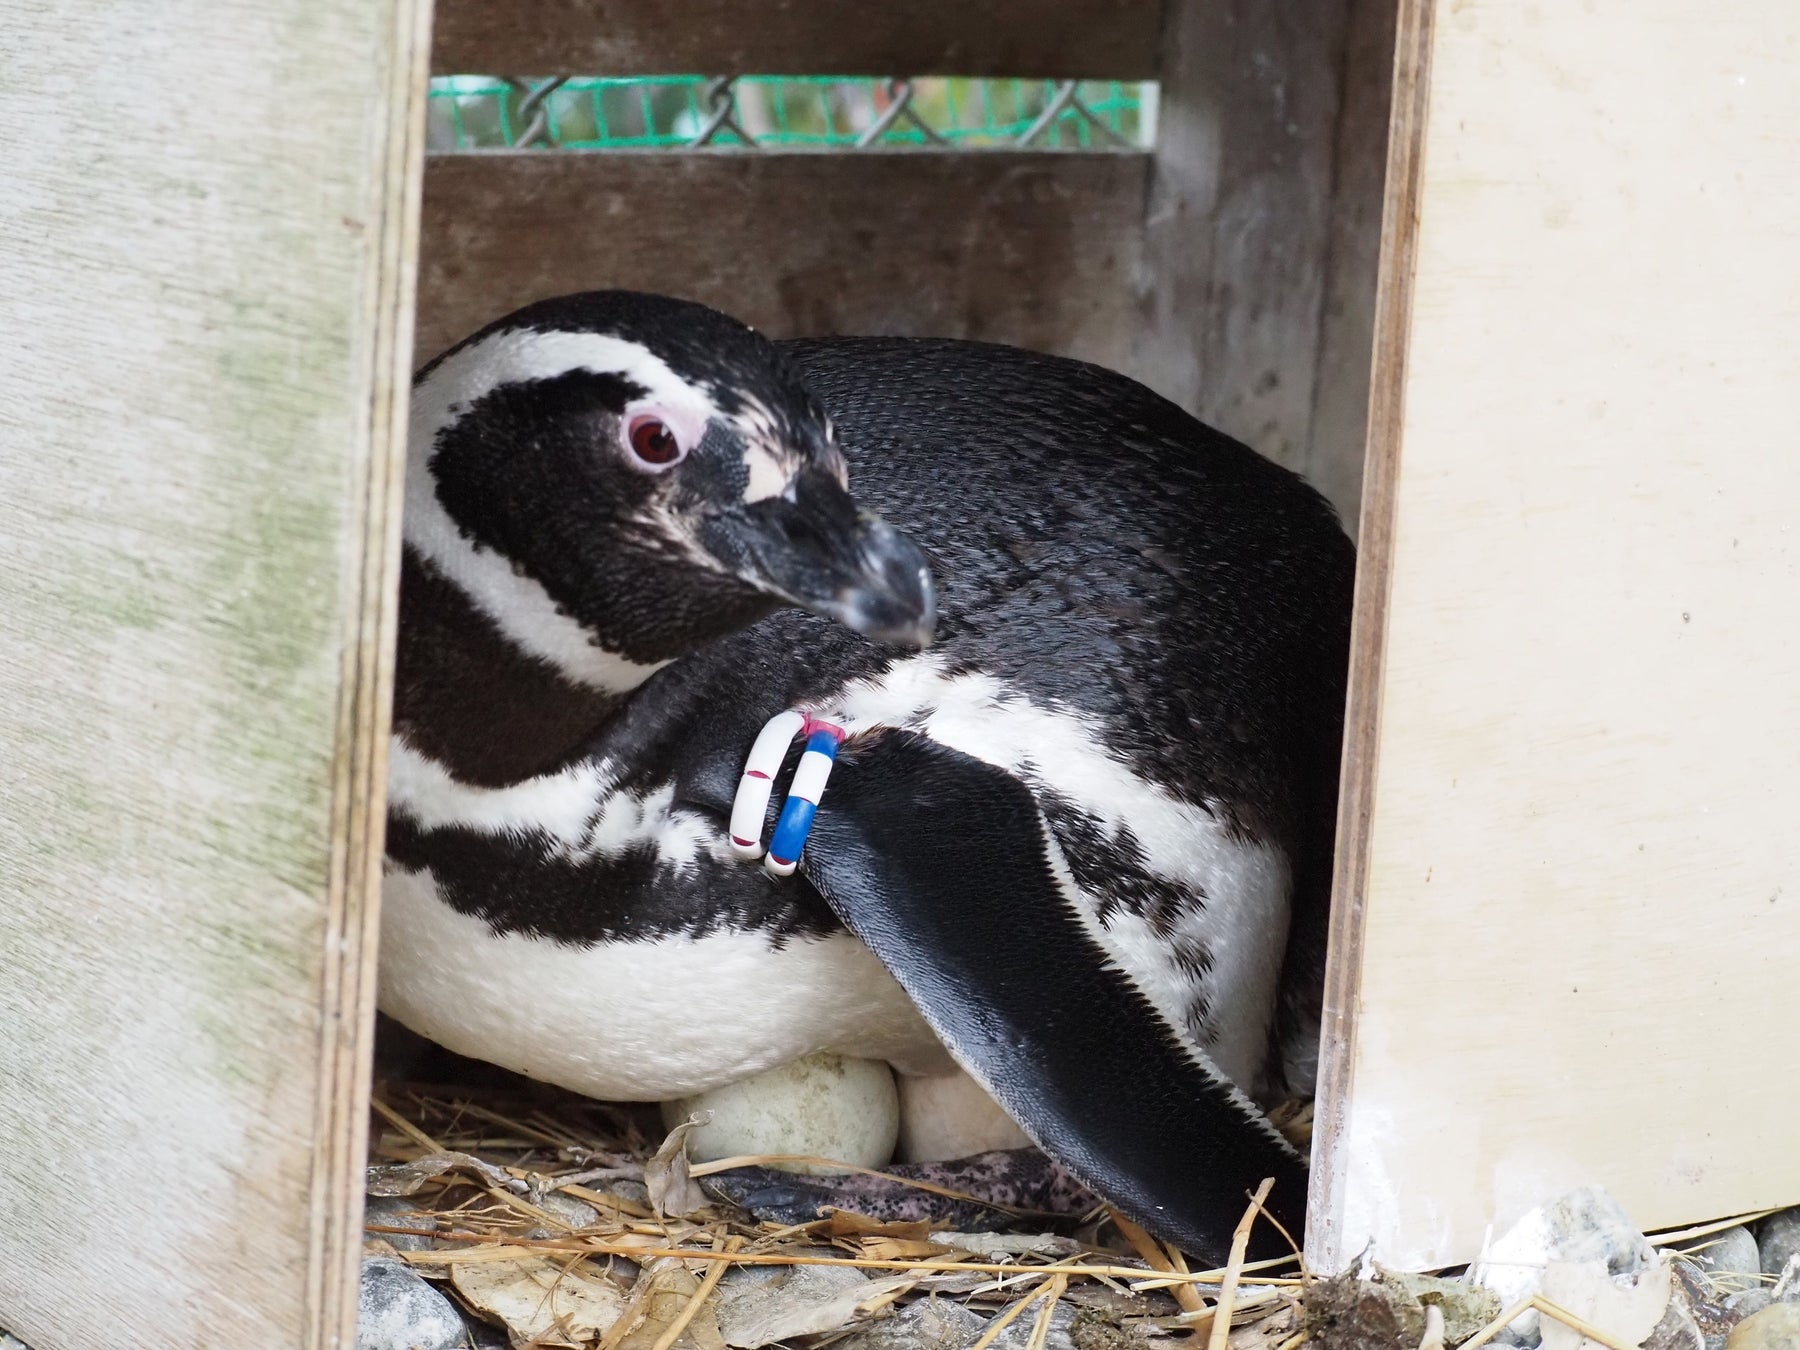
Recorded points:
1534,266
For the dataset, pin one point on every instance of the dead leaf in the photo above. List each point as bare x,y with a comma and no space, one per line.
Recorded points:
662,1294
1628,1307
541,1301
407,1178
908,1249
847,1223
672,1193
803,1301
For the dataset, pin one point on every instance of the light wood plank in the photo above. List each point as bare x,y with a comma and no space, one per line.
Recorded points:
1086,39
206,267
1041,250
1572,888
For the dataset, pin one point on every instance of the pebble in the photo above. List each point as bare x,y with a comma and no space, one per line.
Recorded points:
397,1310
1778,1239
1747,1303
8,1341
1017,1334
1776,1327
575,1213
1732,1259
399,1211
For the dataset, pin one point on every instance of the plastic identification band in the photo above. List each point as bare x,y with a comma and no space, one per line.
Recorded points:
751,804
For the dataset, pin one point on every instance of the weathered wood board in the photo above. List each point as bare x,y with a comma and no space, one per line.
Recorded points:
205,267
1042,250
1086,39
1237,225
1569,901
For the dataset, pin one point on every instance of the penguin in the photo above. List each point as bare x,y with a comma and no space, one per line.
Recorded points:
1085,656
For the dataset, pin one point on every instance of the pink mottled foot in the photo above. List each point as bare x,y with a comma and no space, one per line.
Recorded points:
999,1183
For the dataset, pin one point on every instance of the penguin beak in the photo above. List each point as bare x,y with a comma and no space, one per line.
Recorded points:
813,548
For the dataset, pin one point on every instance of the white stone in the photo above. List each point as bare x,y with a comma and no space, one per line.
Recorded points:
1586,1225
396,1310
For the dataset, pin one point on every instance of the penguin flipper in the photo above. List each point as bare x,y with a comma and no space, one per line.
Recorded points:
943,866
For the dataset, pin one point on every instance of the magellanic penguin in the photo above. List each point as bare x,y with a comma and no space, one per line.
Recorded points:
1081,839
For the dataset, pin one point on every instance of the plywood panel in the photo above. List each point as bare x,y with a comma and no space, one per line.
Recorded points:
1042,250
205,249
1572,882
1088,39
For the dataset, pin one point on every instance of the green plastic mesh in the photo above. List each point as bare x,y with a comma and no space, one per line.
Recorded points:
475,112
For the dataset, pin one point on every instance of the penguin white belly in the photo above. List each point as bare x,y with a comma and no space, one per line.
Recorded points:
639,1020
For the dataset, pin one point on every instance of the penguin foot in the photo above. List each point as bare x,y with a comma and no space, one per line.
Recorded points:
993,1190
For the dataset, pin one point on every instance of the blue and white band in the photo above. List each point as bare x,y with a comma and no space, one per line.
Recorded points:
751,804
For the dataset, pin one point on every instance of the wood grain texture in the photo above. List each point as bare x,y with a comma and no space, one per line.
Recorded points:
1239,222
1326,1246
1041,250
1088,39
1340,415
1576,874
198,523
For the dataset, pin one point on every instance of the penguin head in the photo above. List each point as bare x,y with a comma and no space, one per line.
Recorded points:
649,472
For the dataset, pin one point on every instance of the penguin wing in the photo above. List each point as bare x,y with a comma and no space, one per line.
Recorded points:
943,865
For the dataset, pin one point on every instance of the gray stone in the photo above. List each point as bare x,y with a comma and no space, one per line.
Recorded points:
1776,1327
397,1310
1746,1303
929,1324
397,1211
8,1341
575,1213
1778,1240
1732,1260
1017,1334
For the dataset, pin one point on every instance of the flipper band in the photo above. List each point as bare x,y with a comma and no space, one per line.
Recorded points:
752,801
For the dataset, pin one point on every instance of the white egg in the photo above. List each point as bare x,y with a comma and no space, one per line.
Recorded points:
824,1105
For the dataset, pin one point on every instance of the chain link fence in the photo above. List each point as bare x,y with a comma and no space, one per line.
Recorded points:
480,112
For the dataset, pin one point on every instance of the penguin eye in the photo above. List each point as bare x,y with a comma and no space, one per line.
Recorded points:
653,442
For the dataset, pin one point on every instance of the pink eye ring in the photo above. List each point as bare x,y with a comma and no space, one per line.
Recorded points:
652,442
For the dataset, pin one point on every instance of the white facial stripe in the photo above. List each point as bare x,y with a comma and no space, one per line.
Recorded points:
769,472
1242,922
518,605
769,464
